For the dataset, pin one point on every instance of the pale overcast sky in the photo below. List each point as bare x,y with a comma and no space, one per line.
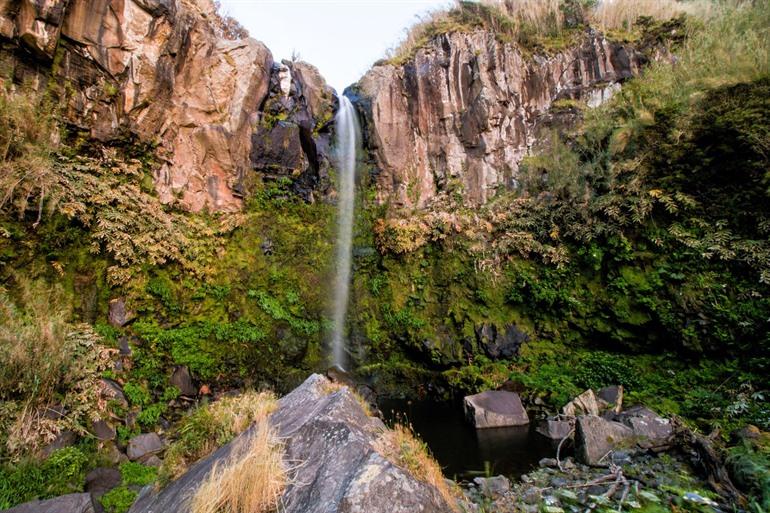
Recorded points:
341,37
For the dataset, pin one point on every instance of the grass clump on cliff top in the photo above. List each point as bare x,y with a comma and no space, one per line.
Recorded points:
212,426
538,24
252,480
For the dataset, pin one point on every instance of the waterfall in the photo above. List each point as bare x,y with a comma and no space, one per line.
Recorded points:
347,134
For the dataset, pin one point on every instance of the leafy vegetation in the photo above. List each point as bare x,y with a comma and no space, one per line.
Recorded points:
62,473
132,475
45,360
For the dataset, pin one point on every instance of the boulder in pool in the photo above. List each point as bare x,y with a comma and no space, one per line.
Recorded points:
495,408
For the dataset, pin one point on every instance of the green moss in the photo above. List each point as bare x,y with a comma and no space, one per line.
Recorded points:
118,500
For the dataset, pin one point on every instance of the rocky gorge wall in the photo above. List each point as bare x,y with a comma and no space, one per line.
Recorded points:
167,73
464,111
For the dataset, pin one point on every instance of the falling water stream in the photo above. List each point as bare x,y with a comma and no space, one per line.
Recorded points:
347,137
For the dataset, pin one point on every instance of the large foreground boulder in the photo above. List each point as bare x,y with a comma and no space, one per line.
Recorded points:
329,443
73,503
495,408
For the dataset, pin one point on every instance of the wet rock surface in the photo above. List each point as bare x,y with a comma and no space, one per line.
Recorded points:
665,482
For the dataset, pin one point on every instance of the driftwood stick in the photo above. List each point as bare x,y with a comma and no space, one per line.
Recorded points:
706,459
558,449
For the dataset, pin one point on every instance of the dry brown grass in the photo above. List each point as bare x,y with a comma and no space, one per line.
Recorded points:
403,448
34,353
543,24
45,359
212,426
623,14
252,480
28,137
332,386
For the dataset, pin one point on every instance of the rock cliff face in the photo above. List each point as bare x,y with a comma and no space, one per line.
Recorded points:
164,72
464,111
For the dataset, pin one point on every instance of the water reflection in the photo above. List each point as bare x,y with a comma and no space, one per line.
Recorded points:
463,451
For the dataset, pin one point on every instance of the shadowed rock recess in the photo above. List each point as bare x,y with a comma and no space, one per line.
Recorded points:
328,444
465,110
163,72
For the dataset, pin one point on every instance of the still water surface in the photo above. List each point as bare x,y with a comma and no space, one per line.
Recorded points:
463,451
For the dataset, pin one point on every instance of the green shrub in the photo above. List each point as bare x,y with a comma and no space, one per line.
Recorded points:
136,474
118,500
137,394
62,473
598,369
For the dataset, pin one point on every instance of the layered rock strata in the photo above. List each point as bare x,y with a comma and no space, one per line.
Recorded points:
166,73
461,114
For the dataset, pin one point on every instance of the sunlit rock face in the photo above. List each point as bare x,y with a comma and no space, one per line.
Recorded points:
464,111
162,72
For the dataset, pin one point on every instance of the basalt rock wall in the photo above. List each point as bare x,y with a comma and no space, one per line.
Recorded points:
167,73
463,112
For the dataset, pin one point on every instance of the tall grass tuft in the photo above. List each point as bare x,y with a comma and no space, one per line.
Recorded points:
44,359
28,138
403,448
624,14
212,426
35,354
252,480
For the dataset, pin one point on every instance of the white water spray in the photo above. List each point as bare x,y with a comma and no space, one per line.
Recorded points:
347,136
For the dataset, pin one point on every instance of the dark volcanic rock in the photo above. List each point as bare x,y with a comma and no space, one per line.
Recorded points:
554,429
101,480
144,445
73,503
495,408
613,396
500,344
650,429
119,316
62,440
332,437
103,430
183,381
111,391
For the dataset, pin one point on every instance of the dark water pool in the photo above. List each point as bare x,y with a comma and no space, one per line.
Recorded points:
463,451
